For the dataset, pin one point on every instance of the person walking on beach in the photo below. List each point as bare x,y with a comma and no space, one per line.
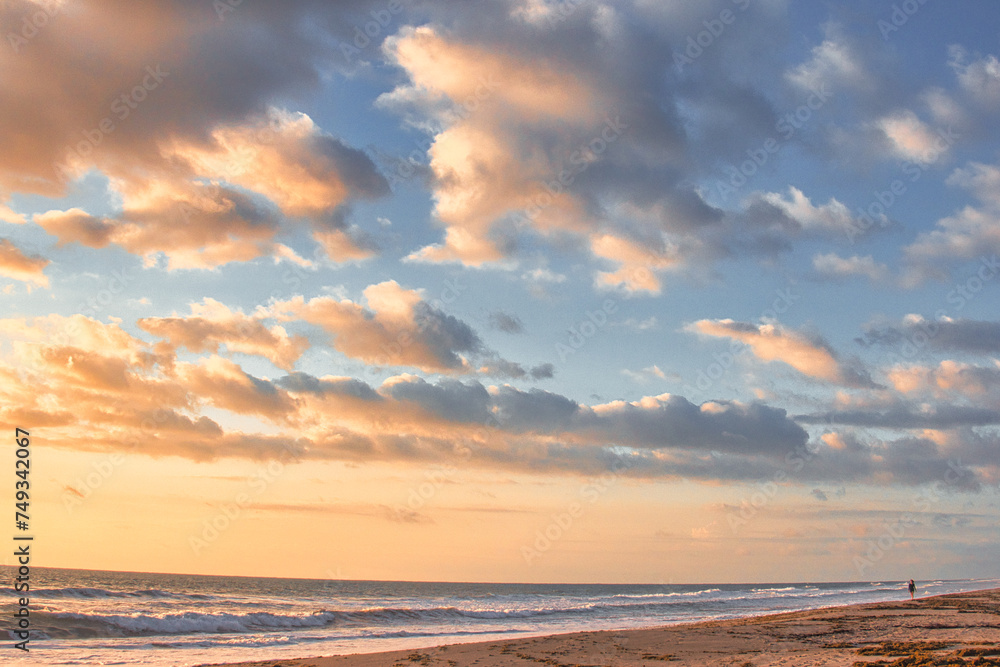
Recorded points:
913,589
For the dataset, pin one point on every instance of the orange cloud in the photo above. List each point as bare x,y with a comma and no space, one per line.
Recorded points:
810,356
397,329
637,263
19,266
484,163
212,325
946,379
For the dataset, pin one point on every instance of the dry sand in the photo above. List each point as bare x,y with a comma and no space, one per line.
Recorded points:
959,629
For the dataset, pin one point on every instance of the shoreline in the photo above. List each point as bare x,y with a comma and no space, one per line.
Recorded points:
950,629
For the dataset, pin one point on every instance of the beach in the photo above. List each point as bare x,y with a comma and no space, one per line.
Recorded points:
944,630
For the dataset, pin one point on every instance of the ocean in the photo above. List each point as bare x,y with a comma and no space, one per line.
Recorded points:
83,617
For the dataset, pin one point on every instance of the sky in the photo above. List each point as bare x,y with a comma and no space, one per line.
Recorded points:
510,290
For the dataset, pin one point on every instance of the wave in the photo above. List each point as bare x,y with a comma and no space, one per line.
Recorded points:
279,639
84,593
227,620
645,596
61,624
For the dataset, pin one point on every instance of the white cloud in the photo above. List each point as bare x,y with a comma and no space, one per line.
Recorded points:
835,267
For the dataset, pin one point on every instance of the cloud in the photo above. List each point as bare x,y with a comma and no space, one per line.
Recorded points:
909,137
795,213
225,385
399,328
508,370
204,169
833,267
9,215
506,322
980,78
255,189
648,373
634,324
946,379
149,402
810,355
902,416
970,235
943,334
637,262
605,164
14,263
835,61
306,173
212,325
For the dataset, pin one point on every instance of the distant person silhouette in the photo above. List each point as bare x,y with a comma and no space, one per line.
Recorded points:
913,589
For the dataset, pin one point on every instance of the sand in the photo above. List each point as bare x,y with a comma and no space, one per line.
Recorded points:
959,629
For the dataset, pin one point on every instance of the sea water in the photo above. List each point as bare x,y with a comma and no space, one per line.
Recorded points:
82,617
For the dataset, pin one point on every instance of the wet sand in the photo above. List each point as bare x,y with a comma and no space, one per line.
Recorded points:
946,630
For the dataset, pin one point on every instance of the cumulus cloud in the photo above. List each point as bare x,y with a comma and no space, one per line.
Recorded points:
603,165
395,326
910,138
979,77
206,171
834,267
836,61
147,401
794,212
949,378
14,263
971,234
810,355
212,325
255,189
398,328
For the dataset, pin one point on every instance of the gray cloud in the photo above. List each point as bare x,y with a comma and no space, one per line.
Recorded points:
506,322
950,335
902,416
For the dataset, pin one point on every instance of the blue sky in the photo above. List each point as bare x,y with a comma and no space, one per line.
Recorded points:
695,237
